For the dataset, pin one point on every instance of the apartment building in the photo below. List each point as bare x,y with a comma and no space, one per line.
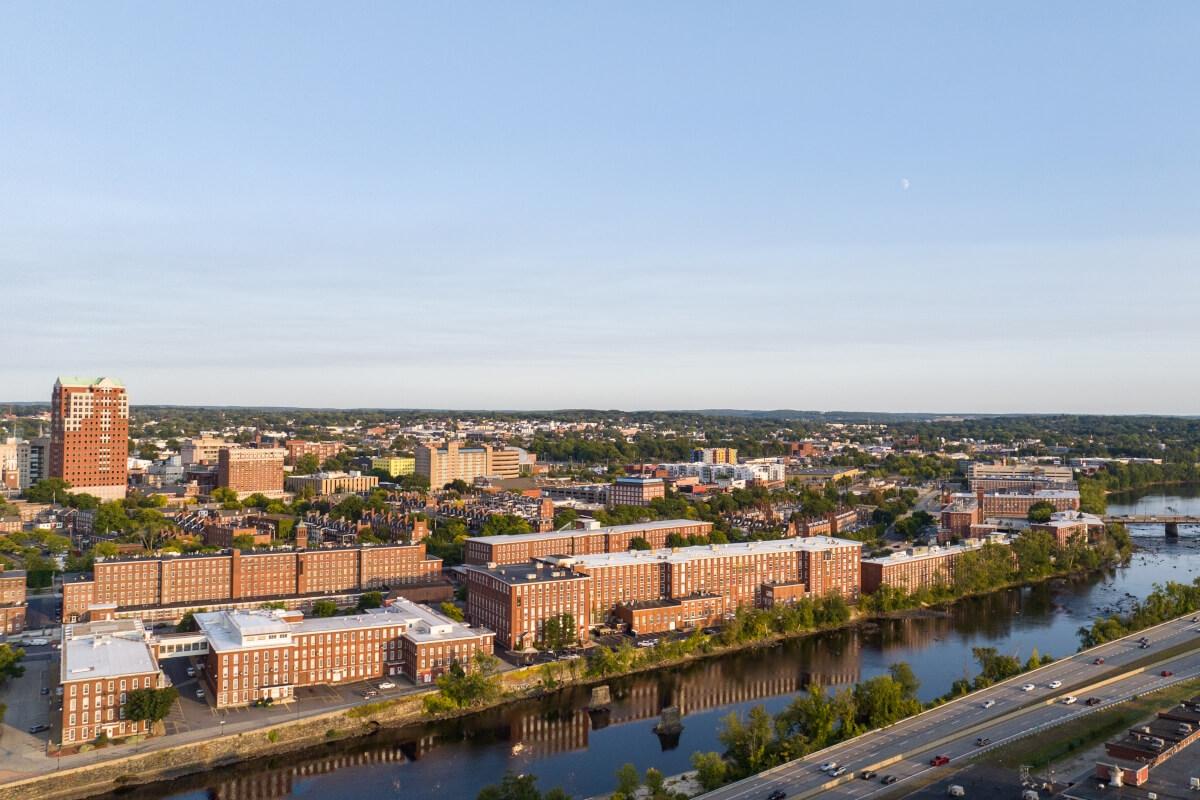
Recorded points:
448,462
327,483
257,655
12,600
515,600
202,450
101,662
990,477
636,491
915,568
519,548
395,466
247,470
298,449
89,435
715,455
170,584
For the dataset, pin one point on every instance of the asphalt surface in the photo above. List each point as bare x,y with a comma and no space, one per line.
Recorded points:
952,729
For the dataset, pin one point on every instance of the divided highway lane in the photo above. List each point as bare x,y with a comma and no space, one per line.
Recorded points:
919,738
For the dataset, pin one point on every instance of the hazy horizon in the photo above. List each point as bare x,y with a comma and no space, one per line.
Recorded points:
858,205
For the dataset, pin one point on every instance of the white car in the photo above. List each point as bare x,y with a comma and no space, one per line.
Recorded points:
1029,687
38,642
829,766
1069,700
191,672
1054,684
387,685
989,703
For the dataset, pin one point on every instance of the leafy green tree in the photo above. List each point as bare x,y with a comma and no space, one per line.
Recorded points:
150,705
187,624
370,600
324,608
1041,511
306,465
504,525
628,781
10,666
903,674
558,632
48,490
639,543
519,787
711,770
243,542
452,611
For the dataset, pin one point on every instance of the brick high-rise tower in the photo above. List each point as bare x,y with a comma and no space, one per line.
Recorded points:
89,435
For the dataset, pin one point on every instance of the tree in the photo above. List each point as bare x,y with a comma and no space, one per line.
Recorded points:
711,770
187,624
504,525
1041,511
461,688
628,781
558,632
243,542
306,465
48,490
519,787
370,600
565,517
639,543
227,497
458,485
452,611
10,666
324,608
150,705
903,674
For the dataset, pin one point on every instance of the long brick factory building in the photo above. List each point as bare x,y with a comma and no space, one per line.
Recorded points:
165,586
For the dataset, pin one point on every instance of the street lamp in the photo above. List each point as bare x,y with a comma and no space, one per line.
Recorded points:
222,728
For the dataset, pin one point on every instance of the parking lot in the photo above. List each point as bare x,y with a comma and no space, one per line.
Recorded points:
27,707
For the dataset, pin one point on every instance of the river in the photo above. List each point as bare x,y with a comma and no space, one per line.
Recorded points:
557,740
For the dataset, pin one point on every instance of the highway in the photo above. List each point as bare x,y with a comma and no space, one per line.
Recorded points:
904,750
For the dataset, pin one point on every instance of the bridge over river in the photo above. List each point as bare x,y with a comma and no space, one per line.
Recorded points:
1170,522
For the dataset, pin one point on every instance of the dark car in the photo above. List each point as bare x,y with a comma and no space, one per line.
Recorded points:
888,780
982,741
939,761
868,774
45,690
1144,646
39,728
1098,661
1093,701
1166,673
778,794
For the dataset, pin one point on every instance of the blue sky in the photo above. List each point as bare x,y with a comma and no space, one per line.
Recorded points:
894,206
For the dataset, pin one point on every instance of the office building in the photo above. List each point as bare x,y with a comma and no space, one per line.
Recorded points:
325,483
202,450
89,436
395,466
516,600
636,491
247,470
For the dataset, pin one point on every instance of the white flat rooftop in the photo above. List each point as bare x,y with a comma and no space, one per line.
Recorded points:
811,544
105,650
636,526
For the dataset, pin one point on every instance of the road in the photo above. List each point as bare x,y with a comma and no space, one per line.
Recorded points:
905,749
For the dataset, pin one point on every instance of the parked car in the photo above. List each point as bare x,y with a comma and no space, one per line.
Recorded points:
1029,687
939,761
1093,701
39,728
58,691
888,780
1054,684
955,790
1069,700
387,685
191,672
828,766
778,794
1166,673
371,693
982,741
199,694
989,703
45,690
38,642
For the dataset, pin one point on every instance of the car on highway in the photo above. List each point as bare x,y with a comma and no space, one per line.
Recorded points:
1166,673
839,772
1029,687
829,766
1098,660
868,774
888,780
1144,646
1069,700
989,703
1093,701
387,685
982,741
778,794
1054,684
939,761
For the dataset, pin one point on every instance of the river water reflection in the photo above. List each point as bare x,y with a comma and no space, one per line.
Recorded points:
559,741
